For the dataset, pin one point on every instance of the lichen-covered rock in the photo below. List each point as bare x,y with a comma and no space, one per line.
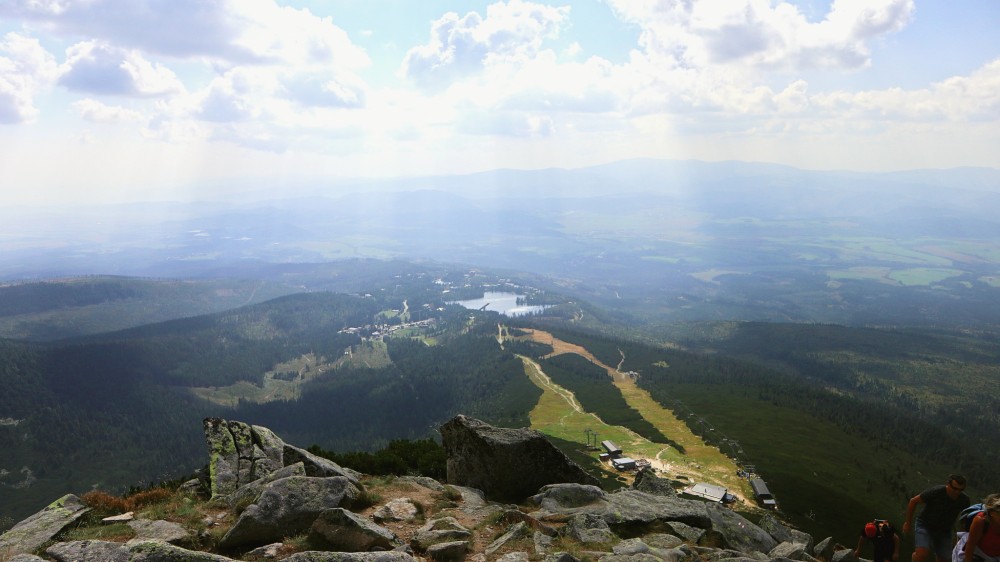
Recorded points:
347,532
31,533
287,507
239,454
506,464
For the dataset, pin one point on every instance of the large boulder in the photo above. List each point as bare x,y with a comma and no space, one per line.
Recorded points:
239,454
288,507
36,530
506,464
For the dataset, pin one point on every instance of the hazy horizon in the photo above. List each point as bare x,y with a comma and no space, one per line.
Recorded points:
105,101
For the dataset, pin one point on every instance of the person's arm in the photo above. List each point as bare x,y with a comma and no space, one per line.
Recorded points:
895,546
910,508
975,535
861,543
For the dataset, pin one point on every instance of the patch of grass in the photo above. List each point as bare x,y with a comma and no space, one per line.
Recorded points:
367,498
115,532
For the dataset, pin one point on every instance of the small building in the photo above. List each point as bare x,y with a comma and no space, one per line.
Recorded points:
623,463
762,494
604,457
709,492
611,448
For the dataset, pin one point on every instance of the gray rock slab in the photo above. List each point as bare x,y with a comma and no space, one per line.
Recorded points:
322,556
662,540
397,509
737,532
514,532
634,513
88,551
789,550
561,557
346,532
31,533
453,551
166,531
249,492
157,551
630,546
317,466
824,549
588,528
640,557
287,507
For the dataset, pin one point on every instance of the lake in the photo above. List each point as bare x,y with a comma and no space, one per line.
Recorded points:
504,303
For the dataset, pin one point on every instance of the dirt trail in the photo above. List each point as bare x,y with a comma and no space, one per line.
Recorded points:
720,469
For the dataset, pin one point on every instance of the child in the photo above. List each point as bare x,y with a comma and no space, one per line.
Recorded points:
883,537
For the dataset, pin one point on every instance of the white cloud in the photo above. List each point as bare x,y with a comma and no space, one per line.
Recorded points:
227,31
98,68
25,69
507,123
512,31
93,110
761,33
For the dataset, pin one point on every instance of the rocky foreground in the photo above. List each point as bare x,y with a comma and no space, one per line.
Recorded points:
264,499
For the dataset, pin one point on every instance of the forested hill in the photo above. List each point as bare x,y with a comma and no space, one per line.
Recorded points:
61,308
112,409
840,421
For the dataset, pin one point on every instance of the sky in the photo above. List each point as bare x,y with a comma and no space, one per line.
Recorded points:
136,100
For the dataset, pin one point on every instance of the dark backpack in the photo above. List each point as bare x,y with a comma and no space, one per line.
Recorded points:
968,514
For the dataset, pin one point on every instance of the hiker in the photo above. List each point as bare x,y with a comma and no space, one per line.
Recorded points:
982,544
884,539
936,521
